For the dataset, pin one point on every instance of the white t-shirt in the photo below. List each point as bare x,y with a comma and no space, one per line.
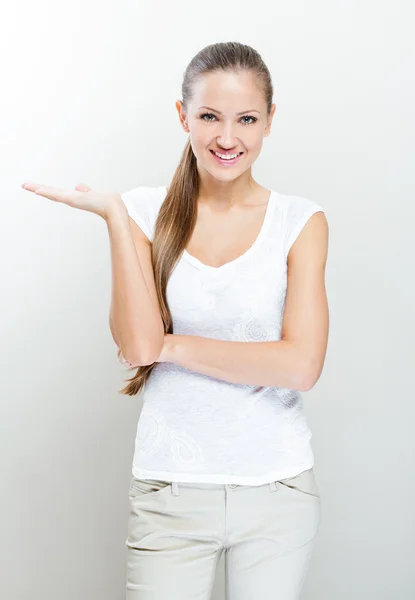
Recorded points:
194,427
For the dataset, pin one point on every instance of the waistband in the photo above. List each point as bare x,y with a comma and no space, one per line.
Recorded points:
175,486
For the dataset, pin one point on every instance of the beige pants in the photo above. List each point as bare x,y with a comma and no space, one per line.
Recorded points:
178,531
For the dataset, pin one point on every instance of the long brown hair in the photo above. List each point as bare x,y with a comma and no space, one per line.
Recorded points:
178,213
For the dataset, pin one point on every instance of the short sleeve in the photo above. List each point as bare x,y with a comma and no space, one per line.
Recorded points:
143,204
298,212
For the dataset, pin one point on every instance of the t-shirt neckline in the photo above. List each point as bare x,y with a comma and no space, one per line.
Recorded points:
232,263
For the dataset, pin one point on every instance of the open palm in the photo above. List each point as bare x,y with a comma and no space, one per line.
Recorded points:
82,197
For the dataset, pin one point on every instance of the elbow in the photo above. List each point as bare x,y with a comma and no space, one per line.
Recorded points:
144,357
310,378
141,360
135,362
148,360
151,354
307,385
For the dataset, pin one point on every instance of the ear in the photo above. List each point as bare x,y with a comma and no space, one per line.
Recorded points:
267,130
182,115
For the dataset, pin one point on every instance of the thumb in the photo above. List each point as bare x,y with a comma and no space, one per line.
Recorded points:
82,187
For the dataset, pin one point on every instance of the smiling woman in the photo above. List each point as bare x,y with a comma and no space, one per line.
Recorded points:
218,302
239,278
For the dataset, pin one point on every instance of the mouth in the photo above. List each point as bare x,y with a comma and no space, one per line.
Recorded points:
226,161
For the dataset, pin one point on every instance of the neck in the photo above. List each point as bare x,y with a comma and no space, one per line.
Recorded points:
239,192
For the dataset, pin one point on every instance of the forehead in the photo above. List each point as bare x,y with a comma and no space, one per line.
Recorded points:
228,92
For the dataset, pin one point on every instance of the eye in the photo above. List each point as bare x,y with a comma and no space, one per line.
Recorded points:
253,119
206,115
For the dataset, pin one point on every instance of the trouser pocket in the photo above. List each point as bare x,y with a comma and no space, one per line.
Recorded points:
304,483
147,487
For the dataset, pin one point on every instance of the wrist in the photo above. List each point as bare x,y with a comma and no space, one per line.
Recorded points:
116,211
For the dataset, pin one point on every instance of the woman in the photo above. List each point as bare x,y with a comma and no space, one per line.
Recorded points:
222,458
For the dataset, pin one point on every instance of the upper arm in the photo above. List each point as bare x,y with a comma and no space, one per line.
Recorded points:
306,315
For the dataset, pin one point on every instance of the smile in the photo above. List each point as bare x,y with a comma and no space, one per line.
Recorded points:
224,160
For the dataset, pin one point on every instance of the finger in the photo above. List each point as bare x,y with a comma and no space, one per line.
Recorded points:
57,194
122,359
31,186
34,187
81,187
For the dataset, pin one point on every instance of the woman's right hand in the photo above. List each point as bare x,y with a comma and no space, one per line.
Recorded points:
83,197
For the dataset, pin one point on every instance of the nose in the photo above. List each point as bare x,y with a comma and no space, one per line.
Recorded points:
227,139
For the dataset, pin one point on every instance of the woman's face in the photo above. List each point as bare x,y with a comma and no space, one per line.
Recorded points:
220,128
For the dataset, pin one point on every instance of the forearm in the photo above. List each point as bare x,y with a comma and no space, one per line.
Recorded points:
135,318
276,363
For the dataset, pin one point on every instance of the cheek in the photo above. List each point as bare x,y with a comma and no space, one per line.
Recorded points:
199,141
254,142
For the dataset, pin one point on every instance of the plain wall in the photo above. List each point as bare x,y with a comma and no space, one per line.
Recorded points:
88,95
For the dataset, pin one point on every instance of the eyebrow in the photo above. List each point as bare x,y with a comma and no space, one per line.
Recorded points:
219,113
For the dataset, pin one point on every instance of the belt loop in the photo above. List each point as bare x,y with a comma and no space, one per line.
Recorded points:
273,486
175,488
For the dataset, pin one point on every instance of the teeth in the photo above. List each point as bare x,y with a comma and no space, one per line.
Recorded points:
227,156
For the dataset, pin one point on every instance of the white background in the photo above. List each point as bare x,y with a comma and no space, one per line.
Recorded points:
88,95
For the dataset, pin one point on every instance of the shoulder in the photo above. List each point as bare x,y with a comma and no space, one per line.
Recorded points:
143,204
302,213
294,206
